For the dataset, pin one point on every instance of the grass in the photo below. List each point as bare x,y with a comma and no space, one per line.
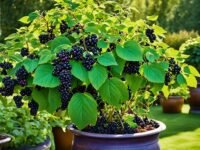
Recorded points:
183,130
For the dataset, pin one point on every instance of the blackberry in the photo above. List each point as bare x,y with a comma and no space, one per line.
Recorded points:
132,67
9,85
4,72
80,89
18,101
61,66
65,77
150,34
24,52
44,38
77,28
63,55
33,56
95,50
33,107
167,78
26,92
63,27
127,129
65,97
176,69
77,52
91,40
171,62
111,47
22,76
6,65
88,61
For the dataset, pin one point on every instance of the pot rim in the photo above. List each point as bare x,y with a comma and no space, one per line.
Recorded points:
176,97
6,139
161,128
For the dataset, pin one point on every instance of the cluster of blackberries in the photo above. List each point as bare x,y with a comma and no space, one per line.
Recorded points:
143,122
62,69
132,67
44,38
64,28
22,76
174,69
77,52
111,47
24,52
26,92
8,86
18,101
4,67
88,61
33,107
150,34
90,42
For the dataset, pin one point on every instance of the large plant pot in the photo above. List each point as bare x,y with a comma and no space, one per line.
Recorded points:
173,104
138,141
4,140
194,100
63,140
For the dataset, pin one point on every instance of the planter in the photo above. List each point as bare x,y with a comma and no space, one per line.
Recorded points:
63,140
194,100
173,104
4,139
138,141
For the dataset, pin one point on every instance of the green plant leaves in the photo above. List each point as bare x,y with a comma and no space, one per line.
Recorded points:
154,73
135,82
107,59
79,71
114,91
59,41
180,79
45,56
30,64
82,110
131,51
102,44
191,81
97,76
43,76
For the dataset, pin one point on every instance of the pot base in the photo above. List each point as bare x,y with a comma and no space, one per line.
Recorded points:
194,110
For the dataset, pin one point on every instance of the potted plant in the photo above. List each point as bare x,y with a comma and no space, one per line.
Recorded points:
102,69
175,101
192,48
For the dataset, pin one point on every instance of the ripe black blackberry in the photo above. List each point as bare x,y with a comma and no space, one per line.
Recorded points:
18,101
26,92
111,47
88,61
77,28
8,86
24,52
63,55
95,50
132,67
22,76
176,69
77,52
167,78
6,65
44,38
91,40
65,77
150,34
65,96
63,27
33,107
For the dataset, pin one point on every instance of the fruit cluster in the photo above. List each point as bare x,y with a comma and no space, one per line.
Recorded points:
24,52
5,66
150,34
132,67
46,37
33,107
8,86
64,28
22,76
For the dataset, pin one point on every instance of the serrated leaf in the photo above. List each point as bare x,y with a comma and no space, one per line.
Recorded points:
87,110
107,59
43,76
114,91
79,71
154,73
131,51
97,76
30,64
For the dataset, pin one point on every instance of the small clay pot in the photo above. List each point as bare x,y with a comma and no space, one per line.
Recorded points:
194,100
63,140
173,104
4,140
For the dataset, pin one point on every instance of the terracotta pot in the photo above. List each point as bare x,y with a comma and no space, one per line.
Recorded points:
173,104
194,100
63,140
4,140
138,141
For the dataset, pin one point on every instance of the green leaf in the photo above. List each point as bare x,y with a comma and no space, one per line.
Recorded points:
33,16
61,40
114,91
97,76
30,64
102,44
130,52
41,97
191,81
154,73
43,76
54,100
152,18
194,71
24,20
120,67
82,110
129,119
151,55
135,82
165,91
107,59
180,79
45,56
79,71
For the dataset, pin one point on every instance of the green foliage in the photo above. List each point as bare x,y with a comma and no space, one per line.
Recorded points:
175,40
121,44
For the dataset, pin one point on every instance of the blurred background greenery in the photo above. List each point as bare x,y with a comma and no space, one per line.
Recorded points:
179,17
